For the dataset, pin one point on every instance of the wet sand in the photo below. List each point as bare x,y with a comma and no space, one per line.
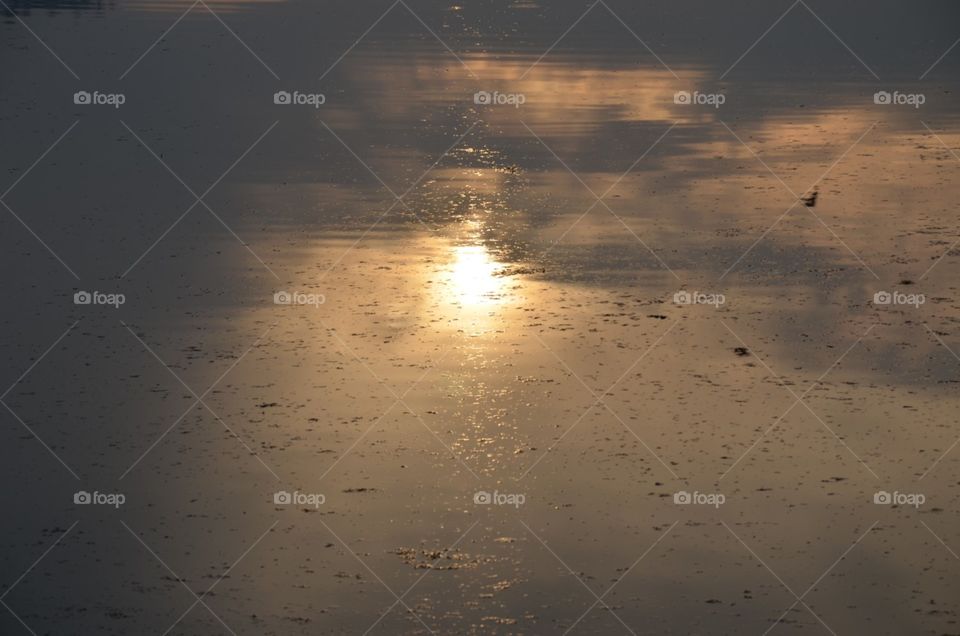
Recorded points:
484,303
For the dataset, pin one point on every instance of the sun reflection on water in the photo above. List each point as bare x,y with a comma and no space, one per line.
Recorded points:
473,280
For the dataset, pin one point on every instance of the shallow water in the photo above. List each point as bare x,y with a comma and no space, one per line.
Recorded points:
485,302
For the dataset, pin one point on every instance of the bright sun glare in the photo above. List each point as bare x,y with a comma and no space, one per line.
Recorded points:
473,280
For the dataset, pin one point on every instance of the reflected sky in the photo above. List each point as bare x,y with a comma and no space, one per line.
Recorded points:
489,273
